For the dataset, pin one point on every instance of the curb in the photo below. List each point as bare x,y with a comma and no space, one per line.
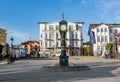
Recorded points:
3,62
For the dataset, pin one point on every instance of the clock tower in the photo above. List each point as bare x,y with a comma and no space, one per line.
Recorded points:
63,59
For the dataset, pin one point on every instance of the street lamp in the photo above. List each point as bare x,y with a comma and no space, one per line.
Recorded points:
63,29
11,39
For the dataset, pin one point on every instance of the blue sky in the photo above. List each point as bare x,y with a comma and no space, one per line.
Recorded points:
20,17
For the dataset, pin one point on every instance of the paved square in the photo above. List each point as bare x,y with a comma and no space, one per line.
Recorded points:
31,70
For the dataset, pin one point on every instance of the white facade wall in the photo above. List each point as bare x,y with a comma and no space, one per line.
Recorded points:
103,37
51,38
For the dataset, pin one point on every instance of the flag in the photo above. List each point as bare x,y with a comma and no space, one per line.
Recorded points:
93,37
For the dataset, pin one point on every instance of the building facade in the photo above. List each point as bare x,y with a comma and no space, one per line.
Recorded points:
86,49
50,39
3,41
102,34
32,48
18,52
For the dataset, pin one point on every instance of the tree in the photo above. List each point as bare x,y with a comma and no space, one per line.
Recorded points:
1,47
7,50
109,47
88,50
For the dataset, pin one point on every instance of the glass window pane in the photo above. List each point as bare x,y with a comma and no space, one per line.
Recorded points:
98,38
98,30
101,29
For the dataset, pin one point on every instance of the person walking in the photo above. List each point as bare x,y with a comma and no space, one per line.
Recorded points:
11,59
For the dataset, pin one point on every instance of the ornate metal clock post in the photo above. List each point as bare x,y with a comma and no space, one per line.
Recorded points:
63,57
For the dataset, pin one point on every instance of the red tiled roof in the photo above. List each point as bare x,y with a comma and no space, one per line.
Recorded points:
28,42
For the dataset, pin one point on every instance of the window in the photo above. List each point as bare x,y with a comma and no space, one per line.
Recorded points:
57,27
76,43
111,39
50,27
76,35
45,44
98,30
57,44
49,43
98,38
45,35
110,30
101,29
72,35
106,39
71,27
102,38
45,28
72,43
115,30
66,43
41,42
56,35
105,29
77,27
98,48
41,35
49,36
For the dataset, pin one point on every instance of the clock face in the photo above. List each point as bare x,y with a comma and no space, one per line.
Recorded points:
63,27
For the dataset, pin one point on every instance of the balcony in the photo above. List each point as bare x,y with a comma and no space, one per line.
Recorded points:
61,39
49,47
49,39
74,39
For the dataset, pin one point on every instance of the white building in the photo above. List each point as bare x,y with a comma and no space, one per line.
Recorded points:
50,42
18,51
100,35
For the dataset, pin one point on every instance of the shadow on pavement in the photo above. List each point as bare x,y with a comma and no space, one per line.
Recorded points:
40,75
99,72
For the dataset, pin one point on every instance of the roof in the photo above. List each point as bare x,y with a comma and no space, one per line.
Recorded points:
42,22
86,43
58,21
28,42
110,25
79,22
2,29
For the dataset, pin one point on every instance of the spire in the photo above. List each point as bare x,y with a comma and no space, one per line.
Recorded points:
30,36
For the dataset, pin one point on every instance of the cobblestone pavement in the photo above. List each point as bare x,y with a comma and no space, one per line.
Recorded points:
102,70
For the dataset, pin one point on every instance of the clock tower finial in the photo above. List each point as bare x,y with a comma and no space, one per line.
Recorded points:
63,16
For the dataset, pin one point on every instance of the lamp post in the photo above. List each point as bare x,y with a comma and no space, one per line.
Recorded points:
63,59
11,39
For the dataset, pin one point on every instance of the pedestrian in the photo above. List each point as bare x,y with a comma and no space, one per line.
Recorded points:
106,56
11,59
14,58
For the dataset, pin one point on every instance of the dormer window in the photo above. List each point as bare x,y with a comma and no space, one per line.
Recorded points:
77,27
101,29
